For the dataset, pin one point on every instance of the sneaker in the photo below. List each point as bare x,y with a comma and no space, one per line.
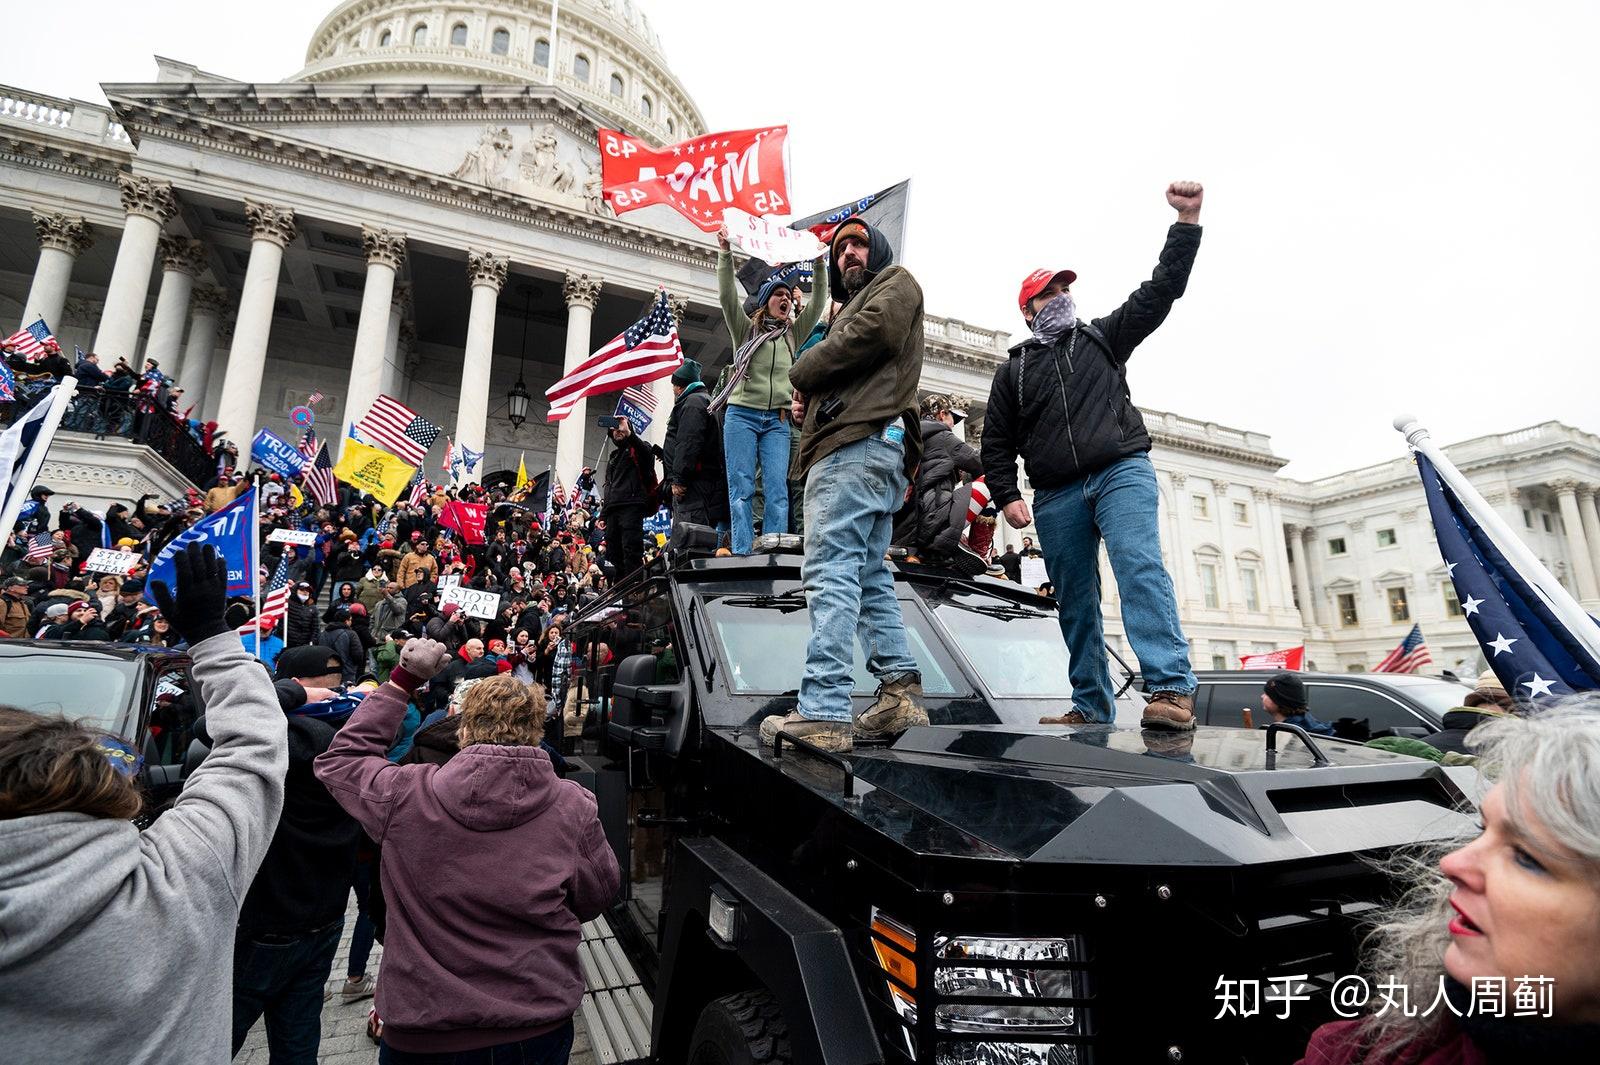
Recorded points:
897,708
827,735
1173,711
965,561
357,988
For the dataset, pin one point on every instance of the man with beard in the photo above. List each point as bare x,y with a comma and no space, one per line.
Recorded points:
1061,401
856,400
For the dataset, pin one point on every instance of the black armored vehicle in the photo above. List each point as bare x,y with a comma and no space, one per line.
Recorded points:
986,889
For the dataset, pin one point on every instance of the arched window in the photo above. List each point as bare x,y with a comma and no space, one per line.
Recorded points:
458,35
541,53
500,43
580,67
386,39
671,126
644,106
419,36
616,85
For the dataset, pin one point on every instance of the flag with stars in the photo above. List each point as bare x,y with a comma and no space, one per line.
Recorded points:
1410,656
698,177
1515,613
645,351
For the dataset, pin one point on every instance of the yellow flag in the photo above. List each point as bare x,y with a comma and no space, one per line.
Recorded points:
373,470
297,496
522,471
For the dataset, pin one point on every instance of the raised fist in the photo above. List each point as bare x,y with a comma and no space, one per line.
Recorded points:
420,660
1185,197
722,239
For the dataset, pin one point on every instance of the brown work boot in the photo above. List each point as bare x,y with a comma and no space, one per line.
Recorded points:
897,707
828,735
1071,717
1173,711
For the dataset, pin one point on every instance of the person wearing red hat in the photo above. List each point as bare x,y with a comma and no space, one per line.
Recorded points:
1061,402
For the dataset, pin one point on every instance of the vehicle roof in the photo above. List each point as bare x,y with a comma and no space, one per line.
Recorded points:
123,652
1262,675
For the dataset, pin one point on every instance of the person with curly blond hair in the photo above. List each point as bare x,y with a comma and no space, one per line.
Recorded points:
490,865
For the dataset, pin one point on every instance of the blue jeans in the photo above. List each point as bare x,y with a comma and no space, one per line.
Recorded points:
851,498
748,434
552,1048
1118,503
283,977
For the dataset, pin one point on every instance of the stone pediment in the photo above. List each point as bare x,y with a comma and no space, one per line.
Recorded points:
529,142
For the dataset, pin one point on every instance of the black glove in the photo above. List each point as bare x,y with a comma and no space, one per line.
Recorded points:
197,610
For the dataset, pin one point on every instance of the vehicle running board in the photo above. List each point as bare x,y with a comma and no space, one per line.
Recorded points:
615,1009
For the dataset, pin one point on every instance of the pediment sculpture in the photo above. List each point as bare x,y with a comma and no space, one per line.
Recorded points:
539,169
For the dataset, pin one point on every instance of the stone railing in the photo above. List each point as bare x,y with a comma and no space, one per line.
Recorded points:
1492,448
67,116
955,331
1211,432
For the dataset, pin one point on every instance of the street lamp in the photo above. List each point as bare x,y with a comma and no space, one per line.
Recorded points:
517,399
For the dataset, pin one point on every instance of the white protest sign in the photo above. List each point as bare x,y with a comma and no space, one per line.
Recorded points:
449,580
1033,572
108,560
477,604
303,537
768,240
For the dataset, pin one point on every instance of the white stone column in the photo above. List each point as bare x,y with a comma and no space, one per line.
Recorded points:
1180,550
199,353
487,273
1311,554
62,238
182,260
389,384
271,230
1232,597
149,204
1591,524
582,292
386,251
1566,490
1302,577
219,370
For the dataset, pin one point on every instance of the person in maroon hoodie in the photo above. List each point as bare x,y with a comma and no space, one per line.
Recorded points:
490,864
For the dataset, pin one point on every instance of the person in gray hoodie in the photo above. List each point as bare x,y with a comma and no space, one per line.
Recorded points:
116,944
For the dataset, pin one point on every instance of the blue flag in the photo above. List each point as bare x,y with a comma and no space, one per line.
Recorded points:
1525,642
231,531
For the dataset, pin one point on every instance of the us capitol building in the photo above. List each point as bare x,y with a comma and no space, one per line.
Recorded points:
417,212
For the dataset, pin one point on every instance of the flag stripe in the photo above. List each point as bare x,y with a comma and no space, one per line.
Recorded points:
582,380
638,374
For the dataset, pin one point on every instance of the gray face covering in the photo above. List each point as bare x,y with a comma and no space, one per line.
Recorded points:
1055,318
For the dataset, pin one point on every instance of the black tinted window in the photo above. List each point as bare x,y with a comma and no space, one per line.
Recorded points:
1228,699
1329,702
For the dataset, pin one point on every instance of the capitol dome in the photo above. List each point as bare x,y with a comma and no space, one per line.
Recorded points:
606,54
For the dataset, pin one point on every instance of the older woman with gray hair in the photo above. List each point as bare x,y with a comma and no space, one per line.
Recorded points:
1509,919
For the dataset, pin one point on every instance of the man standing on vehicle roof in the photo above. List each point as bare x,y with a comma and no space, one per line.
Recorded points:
856,399
1062,401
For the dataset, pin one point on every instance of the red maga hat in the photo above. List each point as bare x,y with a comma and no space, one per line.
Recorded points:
1037,282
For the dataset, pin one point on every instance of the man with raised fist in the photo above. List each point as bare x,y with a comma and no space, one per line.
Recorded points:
1061,401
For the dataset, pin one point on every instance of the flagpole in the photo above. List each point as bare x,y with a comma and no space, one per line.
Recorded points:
255,563
59,398
1557,598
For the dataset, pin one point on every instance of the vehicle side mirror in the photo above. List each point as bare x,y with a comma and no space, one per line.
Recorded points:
634,700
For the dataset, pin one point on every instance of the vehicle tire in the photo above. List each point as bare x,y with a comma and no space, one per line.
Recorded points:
742,1029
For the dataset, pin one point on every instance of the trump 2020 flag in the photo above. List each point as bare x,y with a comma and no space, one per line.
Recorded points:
1533,641
231,532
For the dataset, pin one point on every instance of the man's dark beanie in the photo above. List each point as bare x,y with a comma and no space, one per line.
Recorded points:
687,374
310,661
1288,691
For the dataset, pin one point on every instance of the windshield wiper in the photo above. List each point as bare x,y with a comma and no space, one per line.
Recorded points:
787,602
1005,613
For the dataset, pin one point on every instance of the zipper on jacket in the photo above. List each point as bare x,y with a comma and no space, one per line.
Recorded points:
1066,411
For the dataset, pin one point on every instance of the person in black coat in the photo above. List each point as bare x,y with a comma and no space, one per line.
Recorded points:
339,638
939,519
303,624
695,470
632,491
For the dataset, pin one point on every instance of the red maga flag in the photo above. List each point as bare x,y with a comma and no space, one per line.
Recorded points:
465,518
698,178
1287,658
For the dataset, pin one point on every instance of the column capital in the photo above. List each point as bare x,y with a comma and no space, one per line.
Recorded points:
1179,478
270,222
1294,529
1585,491
1219,487
151,199
408,338
1495,497
401,296
1260,494
182,254
484,268
1564,486
208,299
679,305
63,232
384,246
582,289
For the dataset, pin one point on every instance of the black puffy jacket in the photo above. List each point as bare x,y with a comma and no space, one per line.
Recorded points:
944,455
631,476
1066,409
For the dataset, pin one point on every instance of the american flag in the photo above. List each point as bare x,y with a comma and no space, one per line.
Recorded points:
643,398
419,490
1410,656
33,342
8,383
318,478
645,351
40,547
308,444
276,601
311,400
395,427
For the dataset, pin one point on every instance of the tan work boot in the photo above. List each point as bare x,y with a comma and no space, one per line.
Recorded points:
828,735
897,707
1172,711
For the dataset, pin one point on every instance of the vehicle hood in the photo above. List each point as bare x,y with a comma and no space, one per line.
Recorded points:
488,788
55,871
1100,794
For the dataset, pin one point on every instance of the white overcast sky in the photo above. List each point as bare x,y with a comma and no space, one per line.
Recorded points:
1401,198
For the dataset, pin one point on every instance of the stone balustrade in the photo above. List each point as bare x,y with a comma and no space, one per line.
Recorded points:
70,116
